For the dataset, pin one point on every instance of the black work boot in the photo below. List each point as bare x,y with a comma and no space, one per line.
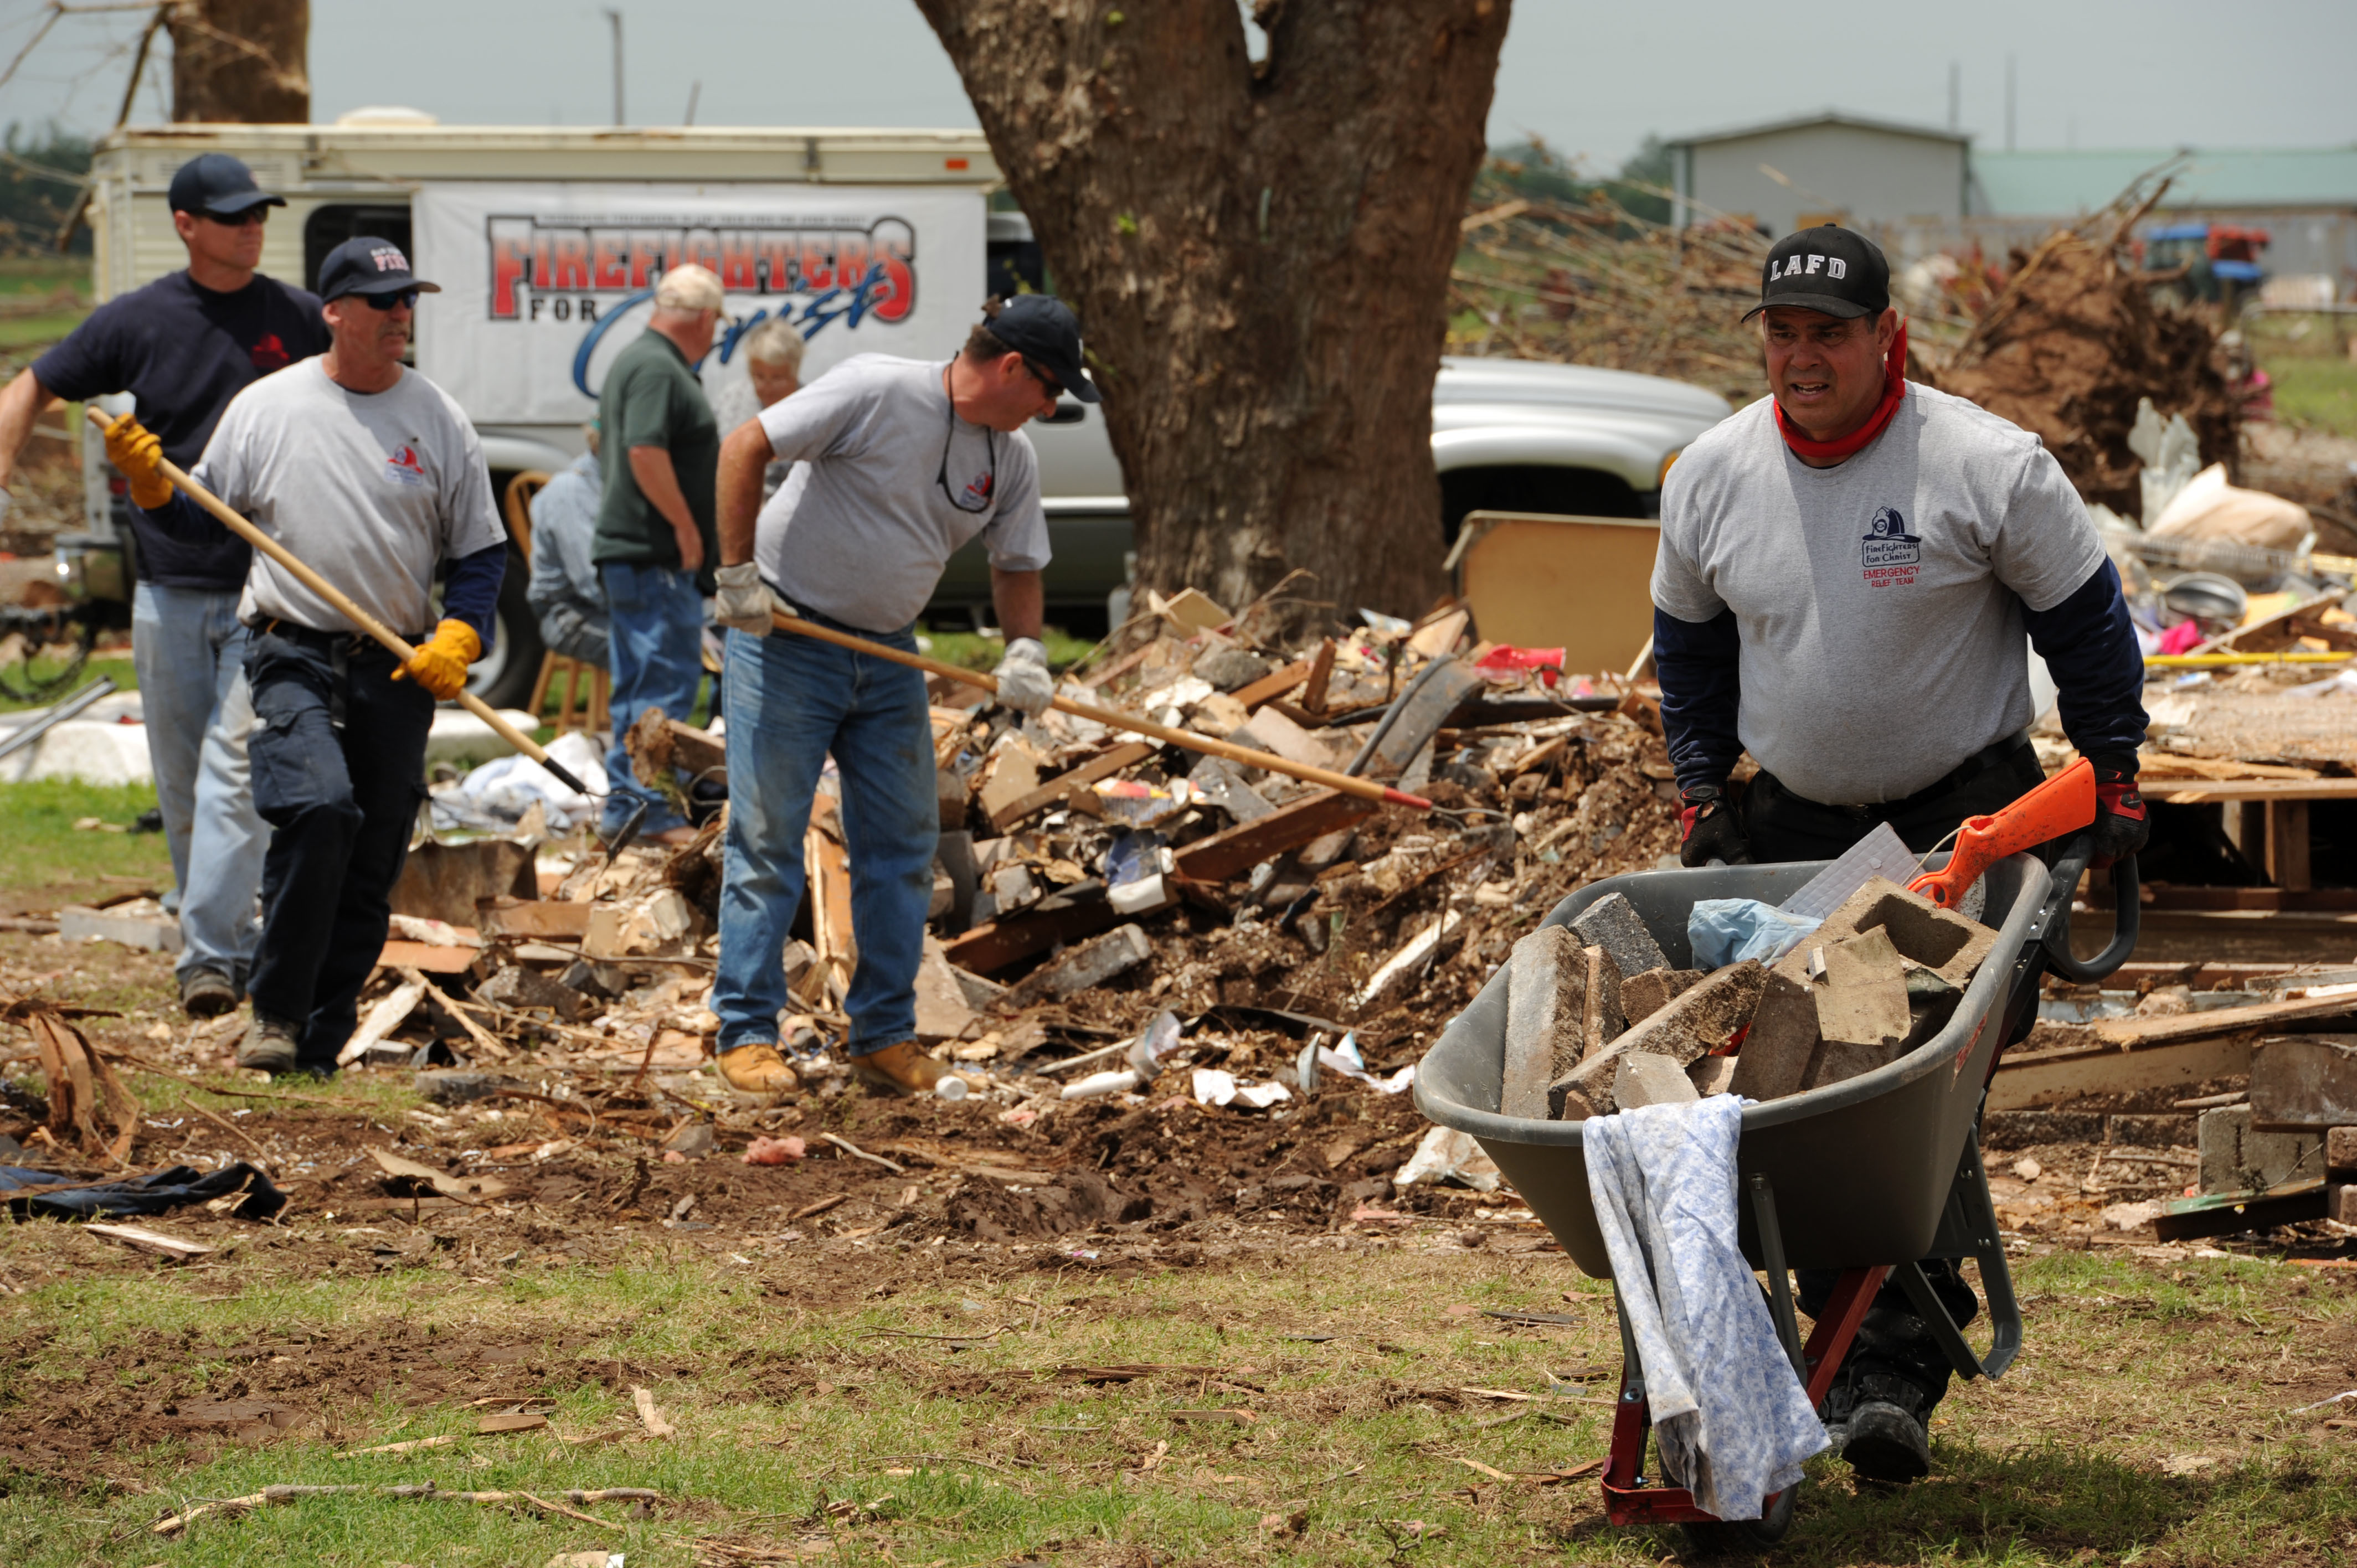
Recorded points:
1877,1421
270,1045
207,993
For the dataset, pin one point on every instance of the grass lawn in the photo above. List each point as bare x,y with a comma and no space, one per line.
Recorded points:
50,861
126,675
972,651
2315,391
892,1403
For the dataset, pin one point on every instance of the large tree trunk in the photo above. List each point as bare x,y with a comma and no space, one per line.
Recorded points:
243,61
1260,256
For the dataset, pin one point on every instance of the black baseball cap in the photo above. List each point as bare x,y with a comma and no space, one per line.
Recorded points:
1042,327
365,265
217,184
1838,270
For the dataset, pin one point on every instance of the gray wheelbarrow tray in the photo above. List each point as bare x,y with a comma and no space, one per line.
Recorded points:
1860,1171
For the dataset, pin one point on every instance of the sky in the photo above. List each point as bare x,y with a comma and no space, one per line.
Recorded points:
1592,80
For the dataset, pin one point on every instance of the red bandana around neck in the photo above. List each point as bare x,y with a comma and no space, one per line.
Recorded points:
1894,387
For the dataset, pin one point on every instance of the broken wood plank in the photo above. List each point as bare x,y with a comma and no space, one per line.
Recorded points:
694,750
1276,683
145,1241
2135,1032
827,865
1001,942
389,1013
2051,1077
2197,791
1226,855
1049,794
398,953
533,918
1322,675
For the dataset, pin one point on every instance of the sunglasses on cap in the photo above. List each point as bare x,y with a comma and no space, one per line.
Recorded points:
253,215
407,297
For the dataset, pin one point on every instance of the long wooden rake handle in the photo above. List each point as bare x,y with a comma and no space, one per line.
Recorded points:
223,514
1348,784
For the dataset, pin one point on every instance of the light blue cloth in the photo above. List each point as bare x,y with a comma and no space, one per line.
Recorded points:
1733,1422
190,652
566,592
1728,930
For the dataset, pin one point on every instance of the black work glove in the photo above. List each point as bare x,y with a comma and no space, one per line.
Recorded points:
2121,823
1707,819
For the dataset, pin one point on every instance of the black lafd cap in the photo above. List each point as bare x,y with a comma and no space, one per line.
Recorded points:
365,265
1838,270
217,184
1041,327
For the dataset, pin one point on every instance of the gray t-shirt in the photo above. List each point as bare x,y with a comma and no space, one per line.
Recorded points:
862,527
1882,635
369,489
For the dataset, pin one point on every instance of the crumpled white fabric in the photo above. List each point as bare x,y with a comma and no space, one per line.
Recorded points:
1735,1425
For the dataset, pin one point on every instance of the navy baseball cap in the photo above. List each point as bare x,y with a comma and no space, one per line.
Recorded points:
1838,270
365,265
217,184
1042,327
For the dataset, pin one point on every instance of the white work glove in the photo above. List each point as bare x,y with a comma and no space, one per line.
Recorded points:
1024,683
744,601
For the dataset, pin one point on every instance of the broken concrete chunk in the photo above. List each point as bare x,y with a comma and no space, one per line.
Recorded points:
2236,1158
1691,1025
655,925
1094,962
522,987
1940,939
1713,1075
1783,1042
1647,1078
1546,998
1614,925
1642,995
1230,668
1862,1015
1602,1016
455,1088
2341,1148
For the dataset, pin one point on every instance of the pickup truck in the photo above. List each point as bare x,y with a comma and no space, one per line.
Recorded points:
547,239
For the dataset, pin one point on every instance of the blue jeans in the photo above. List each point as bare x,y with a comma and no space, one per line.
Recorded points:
339,771
656,642
190,652
791,701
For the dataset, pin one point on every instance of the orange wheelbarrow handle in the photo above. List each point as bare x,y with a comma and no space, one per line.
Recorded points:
2064,804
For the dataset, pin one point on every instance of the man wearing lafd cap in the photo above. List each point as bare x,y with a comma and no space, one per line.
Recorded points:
1847,571
370,475
182,347
898,463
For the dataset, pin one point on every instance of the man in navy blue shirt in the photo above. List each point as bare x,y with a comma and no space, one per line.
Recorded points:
182,347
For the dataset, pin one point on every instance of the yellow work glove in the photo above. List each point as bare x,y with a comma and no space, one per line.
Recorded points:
440,663
133,448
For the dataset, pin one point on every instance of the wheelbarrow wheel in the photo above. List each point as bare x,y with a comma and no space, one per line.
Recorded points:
1736,1537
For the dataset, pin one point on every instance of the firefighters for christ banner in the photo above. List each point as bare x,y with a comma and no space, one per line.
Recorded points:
543,284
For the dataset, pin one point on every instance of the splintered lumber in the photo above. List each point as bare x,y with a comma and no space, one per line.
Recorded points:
1055,789
145,1241
1001,942
2132,1033
2051,1077
1363,788
425,1492
1229,855
1277,682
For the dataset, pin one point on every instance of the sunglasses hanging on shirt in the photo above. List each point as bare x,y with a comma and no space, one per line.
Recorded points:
990,481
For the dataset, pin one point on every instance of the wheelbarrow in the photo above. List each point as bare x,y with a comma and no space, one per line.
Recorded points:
1866,1176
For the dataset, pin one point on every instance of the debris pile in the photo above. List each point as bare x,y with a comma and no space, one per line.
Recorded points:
1598,1020
2075,343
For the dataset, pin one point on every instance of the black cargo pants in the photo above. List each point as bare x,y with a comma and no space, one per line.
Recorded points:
339,760
1893,1345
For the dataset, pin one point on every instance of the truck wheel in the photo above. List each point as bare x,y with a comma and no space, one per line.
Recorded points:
504,675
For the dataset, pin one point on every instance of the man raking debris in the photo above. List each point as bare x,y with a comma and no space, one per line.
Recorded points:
363,466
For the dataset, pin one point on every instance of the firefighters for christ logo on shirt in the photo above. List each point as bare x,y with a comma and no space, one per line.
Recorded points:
1891,555
403,467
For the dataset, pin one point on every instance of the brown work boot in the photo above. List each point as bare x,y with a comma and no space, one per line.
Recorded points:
899,1070
758,1071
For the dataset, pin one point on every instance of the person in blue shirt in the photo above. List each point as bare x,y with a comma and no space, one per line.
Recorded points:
182,347
565,593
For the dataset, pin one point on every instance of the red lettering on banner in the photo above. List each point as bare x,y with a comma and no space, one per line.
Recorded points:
609,268
646,258
569,261
898,296
737,268
818,265
510,255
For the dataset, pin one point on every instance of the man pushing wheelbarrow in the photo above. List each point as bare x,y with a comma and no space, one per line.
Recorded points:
1851,576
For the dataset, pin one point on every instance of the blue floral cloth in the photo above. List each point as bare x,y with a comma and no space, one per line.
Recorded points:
1733,1422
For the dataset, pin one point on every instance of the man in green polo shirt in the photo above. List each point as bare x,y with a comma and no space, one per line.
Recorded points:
655,538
